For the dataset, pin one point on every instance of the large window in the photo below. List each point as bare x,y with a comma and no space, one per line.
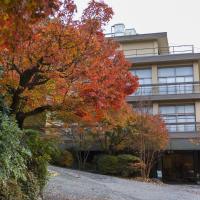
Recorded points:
175,80
145,81
179,118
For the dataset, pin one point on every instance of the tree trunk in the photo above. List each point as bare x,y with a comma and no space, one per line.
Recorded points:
20,117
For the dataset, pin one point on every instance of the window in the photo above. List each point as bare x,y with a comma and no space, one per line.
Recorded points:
178,75
179,118
145,80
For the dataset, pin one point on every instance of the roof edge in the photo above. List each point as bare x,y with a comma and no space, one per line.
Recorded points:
137,37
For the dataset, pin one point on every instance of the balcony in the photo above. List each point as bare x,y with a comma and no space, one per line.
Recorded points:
169,50
167,91
184,130
168,88
183,127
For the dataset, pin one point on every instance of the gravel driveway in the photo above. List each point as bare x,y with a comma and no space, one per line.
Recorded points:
75,185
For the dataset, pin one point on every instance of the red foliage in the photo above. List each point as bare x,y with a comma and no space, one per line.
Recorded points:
61,63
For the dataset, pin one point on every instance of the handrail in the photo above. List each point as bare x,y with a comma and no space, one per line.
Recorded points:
163,50
176,114
176,83
178,49
195,127
160,47
168,88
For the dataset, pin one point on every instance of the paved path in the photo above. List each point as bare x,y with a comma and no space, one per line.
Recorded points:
75,185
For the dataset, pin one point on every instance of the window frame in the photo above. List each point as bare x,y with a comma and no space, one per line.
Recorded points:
143,89
175,75
176,116
179,87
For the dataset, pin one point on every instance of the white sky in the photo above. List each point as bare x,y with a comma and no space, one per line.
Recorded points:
179,18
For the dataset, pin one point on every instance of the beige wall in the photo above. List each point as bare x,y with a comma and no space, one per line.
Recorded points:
155,108
153,47
154,74
197,109
143,48
196,71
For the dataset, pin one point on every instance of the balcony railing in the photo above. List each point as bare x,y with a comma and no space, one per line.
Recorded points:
168,89
183,127
169,50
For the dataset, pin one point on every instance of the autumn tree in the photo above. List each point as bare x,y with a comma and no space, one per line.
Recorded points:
139,133
115,128
52,61
107,128
149,139
82,141
18,16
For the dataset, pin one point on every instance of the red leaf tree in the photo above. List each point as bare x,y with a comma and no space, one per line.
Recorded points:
51,61
149,138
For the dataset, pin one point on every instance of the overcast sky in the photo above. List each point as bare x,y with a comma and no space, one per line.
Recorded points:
179,18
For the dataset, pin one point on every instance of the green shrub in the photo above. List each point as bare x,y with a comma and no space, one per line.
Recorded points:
13,154
126,165
31,187
107,164
13,160
24,157
42,150
65,159
11,190
121,165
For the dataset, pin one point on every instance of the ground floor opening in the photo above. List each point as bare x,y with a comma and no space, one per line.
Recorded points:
181,166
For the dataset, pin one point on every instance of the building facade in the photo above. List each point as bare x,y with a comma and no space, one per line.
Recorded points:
169,78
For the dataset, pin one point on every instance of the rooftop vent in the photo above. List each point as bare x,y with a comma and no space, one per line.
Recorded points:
130,31
119,30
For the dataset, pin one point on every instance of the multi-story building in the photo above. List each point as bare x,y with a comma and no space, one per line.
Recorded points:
169,78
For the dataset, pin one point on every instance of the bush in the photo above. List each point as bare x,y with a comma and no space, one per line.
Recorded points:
107,164
126,165
11,190
13,155
24,157
42,150
122,165
64,159
31,187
